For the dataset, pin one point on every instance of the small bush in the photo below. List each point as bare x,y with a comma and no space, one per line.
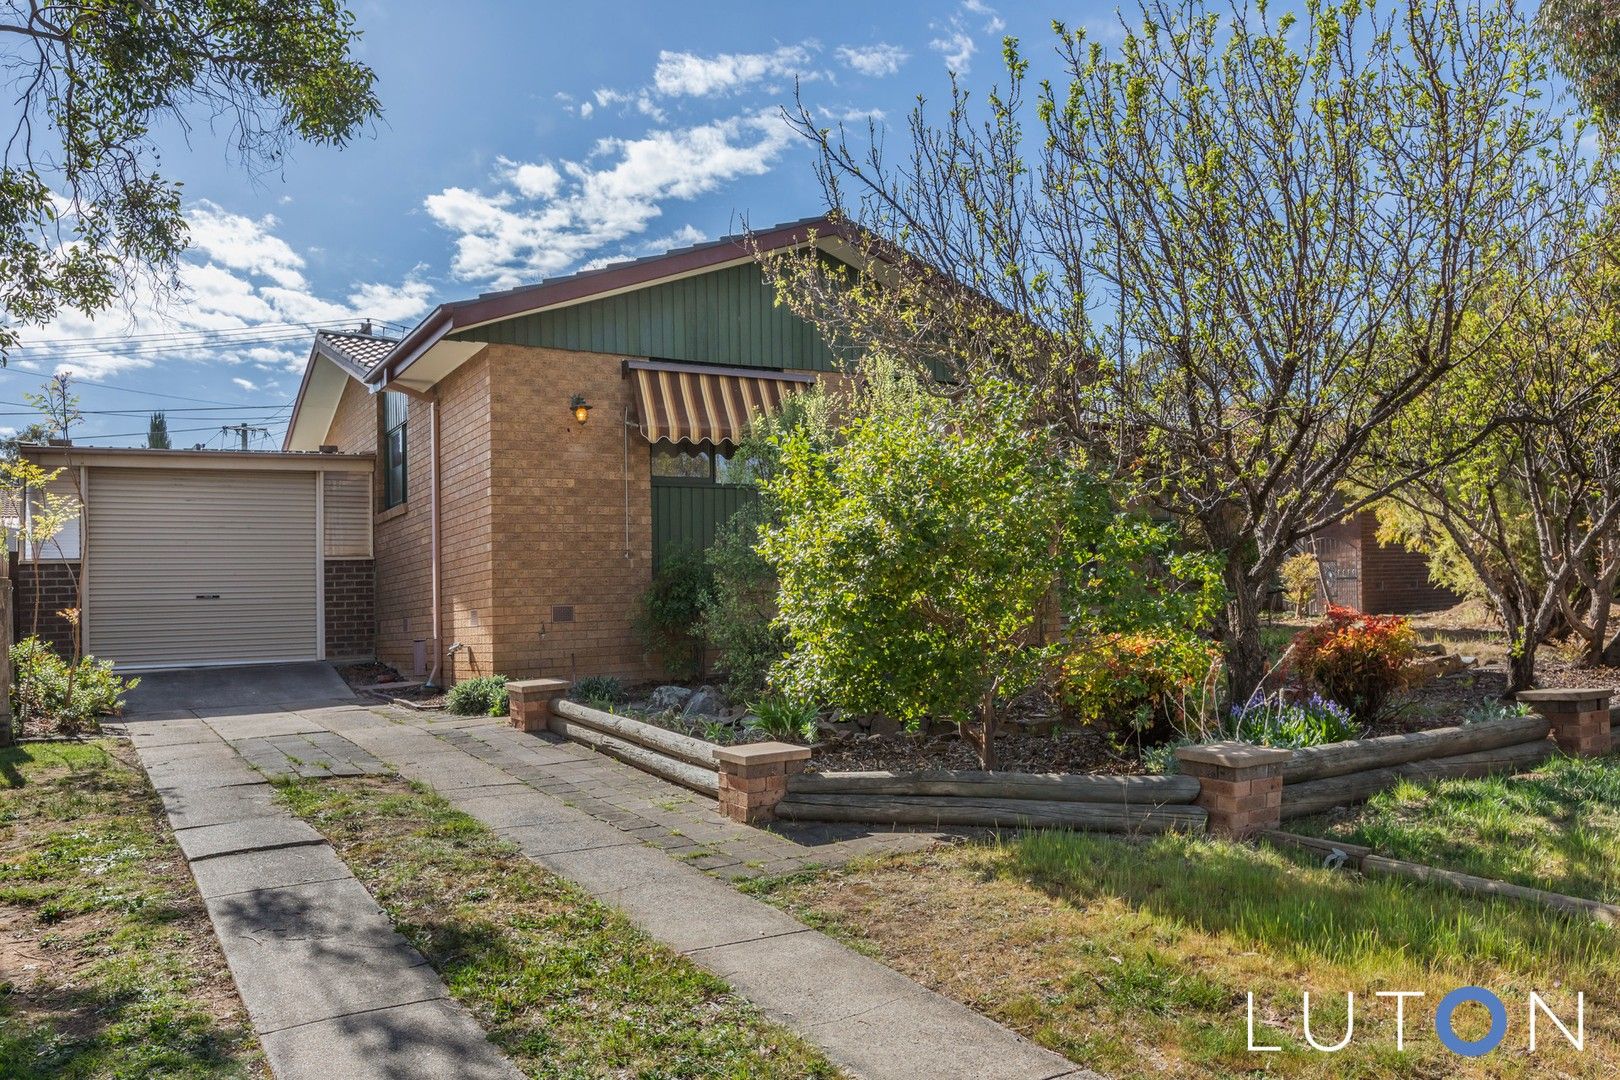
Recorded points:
1355,659
41,691
1136,682
672,611
740,610
1489,712
1300,574
599,691
784,718
1291,725
482,696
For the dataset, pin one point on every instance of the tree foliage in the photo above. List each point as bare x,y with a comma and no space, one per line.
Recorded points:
1530,516
157,432
919,551
1222,254
1585,39
84,209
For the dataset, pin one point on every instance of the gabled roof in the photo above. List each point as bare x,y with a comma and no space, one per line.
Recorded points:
356,352
335,357
585,285
357,355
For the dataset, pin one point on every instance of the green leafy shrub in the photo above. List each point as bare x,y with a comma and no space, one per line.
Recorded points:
739,612
1269,721
481,696
920,551
1490,712
43,693
1140,682
1300,574
671,612
599,691
784,718
1355,659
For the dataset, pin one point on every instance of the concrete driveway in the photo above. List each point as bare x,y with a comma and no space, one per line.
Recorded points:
252,690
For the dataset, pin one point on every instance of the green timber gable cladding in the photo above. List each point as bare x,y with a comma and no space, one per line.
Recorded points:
727,316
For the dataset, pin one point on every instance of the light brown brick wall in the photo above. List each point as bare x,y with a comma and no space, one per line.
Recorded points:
559,495
402,535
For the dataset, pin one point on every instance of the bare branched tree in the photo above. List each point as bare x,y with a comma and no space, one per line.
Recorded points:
1227,252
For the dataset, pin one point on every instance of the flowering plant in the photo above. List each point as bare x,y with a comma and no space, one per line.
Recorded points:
1271,721
1355,659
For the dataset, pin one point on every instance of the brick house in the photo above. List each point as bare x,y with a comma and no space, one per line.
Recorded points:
539,450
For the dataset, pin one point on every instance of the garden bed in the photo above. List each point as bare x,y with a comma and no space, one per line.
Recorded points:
1067,750
1134,957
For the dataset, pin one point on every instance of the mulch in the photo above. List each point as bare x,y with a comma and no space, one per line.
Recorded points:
1065,751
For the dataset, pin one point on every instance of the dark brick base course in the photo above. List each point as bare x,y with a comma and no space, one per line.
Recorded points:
351,618
56,592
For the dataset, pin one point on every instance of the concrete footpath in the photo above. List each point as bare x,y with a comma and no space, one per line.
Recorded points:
331,990
867,1018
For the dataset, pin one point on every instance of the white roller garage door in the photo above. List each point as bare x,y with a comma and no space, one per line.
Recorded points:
192,567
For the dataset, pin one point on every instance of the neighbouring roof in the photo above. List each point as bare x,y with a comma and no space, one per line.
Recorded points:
145,457
361,353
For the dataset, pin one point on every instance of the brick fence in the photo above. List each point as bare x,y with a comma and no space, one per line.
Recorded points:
56,592
351,623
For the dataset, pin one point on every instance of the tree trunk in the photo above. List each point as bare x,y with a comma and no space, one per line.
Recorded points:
1522,667
1239,630
982,735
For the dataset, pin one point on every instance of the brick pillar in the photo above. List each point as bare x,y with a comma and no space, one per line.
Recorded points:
1240,785
1579,719
753,778
529,702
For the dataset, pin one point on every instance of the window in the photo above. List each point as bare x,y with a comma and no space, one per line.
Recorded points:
686,464
396,410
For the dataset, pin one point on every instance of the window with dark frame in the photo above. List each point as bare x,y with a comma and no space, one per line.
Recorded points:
396,411
687,464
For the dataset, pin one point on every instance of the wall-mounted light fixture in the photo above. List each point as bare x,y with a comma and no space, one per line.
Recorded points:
582,410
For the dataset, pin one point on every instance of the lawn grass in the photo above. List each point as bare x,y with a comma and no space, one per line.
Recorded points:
108,964
1135,957
1556,828
565,986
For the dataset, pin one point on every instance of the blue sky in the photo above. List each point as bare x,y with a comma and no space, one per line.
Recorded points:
518,141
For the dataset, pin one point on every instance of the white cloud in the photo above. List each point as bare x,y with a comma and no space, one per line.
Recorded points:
957,48
242,290
639,100
687,74
873,60
247,384
240,243
534,181
506,236
850,114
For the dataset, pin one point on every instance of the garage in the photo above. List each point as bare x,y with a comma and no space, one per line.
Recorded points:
203,558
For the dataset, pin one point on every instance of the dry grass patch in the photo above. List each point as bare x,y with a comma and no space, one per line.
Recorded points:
1134,958
565,986
108,964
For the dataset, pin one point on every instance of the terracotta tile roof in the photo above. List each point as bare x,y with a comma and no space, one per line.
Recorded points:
363,351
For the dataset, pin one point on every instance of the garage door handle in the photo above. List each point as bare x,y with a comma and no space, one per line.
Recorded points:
208,596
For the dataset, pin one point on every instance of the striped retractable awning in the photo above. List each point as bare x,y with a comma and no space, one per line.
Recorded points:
687,403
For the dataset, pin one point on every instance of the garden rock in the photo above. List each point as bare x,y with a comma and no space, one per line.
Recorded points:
707,701
666,698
